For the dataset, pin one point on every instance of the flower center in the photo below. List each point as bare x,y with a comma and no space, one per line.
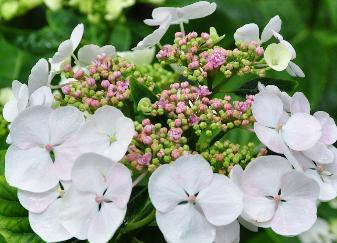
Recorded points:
99,199
48,147
278,127
277,198
112,138
61,192
320,168
191,199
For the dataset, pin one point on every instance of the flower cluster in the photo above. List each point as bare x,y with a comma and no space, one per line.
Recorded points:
198,57
73,153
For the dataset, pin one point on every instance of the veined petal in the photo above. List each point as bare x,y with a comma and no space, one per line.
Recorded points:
267,109
296,185
64,51
88,53
41,96
79,209
198,10
259,208
31,170
294,217
320,153
161,14
228,233
327,191
299,104
38,76
38,202
235,175
31,127
294,70
269,137
329,129
247,33
272,168
184,224
10,110
301,132
164,192
221,201
47,224
76,36
23,97
105,223
274,24
64,123
192,172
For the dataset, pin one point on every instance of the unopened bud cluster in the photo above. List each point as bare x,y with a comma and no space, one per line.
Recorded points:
199,56
224,155
154,145
189,106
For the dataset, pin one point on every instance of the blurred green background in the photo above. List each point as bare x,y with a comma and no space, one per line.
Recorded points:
31,29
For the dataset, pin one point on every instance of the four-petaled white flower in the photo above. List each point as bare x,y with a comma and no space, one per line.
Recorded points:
66,48
36,93
95,205
277,56
250,32
278,131
107,132
279,197
292,68
192,202
43,150
88,53
44,212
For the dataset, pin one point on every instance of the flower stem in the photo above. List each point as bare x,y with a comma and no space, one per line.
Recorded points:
139,179
182,29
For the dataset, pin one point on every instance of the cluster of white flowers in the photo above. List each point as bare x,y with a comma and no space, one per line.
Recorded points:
66,167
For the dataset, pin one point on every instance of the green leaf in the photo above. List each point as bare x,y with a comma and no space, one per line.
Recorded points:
204,140
11,237
121,37
214,35
251,86
139,91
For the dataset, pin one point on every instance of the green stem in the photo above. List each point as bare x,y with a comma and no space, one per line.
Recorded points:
141,223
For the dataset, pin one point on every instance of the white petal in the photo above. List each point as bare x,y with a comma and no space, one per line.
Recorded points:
106,122
139,57
22,99
119,184
278,36
37,202
277,56
38,76
272,168
290,48
64,122
162,14
184,224
41,96
299,104
248,224
274,24
221,201
64,51
228,233
10,110
164,191
16,86
294,70
76,36
294,217
79,209
267,109
30,170
47,224
329,129
301,132
105,223
296,185
31,127
236,175
192,172
320,153
269,137
198,10
154,38
259,208
94,168
247,33
108,50
88,53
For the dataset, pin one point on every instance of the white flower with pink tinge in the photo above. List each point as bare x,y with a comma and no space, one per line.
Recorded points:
44,212
278,197
193,204
279,131
108,132
95,205
43,150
